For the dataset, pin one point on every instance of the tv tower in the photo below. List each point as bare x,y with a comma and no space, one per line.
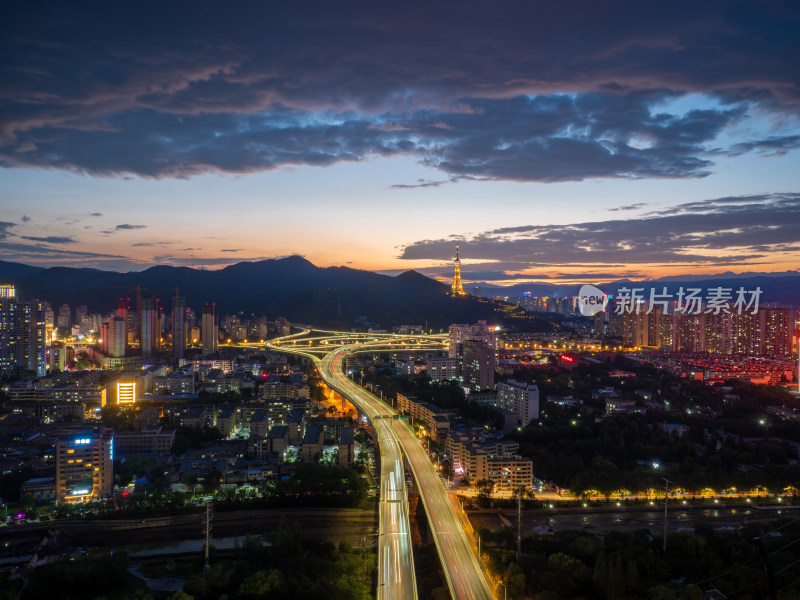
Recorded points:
457,289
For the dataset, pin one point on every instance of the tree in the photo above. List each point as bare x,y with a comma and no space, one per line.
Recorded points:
261,584
211,481
485,488
447,470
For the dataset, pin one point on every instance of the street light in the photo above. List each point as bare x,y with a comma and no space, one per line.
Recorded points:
505,589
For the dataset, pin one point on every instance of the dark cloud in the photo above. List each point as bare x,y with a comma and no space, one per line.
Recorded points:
52,239
24,251
129,226
629,207
25,218
231,249
425,183
147,244
95,214
421,183
562,137
5,226
520,91
723,231
773,146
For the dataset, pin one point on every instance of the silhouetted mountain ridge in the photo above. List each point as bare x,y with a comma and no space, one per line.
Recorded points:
291,287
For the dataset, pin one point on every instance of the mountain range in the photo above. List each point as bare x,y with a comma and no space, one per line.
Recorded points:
290,287
294,288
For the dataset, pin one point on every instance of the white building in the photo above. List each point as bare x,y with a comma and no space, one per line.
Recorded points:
519,398
442,368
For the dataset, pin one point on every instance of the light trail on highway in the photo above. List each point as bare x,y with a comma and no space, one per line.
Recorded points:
463,572
396,577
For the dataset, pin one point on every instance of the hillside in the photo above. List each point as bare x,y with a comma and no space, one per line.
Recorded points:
291,287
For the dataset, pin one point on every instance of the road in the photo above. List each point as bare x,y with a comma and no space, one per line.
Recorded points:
464,574
396,577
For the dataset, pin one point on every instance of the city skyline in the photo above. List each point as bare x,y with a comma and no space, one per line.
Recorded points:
569,144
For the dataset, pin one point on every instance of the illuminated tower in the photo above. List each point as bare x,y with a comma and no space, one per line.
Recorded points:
457,289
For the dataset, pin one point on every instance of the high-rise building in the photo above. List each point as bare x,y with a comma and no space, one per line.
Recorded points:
778,331
58,356
457,289
459,333
519,398
442,368
114,334
49,316
122,308
283,326
64,317
146,328
688,333
768,332
84,462
22,335
477,360
747,333
599,327
209,329
80,313
158,326
178,326
636,328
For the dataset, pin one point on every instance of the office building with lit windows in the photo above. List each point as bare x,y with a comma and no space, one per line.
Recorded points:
477,364
84,465
148,332
519,398
209,330
178,326
22,334
442,368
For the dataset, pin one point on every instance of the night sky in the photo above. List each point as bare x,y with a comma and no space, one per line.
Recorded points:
566,141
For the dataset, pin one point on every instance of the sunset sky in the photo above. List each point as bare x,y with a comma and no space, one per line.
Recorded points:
566,141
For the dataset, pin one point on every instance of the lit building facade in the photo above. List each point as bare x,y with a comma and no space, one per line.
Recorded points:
147,328
178,326
22,334
209,330
84,466
442,368
767,332
478,362
519,398
126,392
114,334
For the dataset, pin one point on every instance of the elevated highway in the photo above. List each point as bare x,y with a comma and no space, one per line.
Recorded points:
465,577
